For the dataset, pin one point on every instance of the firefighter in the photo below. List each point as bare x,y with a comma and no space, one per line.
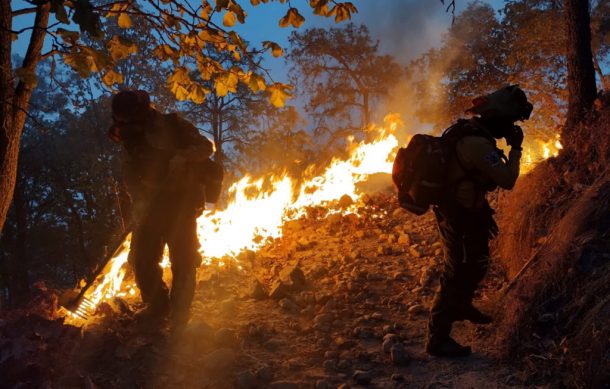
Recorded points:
159,150
465,219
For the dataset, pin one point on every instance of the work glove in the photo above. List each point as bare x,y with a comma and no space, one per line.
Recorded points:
515,138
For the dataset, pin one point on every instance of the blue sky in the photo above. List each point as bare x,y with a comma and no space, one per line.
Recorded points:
405,28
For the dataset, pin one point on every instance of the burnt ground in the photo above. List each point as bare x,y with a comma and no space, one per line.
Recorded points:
340,301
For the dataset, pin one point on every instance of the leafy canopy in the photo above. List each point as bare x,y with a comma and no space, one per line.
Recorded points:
181,31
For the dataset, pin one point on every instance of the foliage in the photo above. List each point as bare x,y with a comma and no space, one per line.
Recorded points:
179,32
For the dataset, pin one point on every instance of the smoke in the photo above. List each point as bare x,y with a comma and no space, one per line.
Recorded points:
404,28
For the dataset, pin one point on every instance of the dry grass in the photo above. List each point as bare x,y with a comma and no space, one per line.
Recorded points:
560,214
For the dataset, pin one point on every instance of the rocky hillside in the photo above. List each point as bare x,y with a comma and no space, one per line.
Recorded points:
339,301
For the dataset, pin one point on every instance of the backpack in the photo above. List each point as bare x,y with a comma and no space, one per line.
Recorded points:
420,170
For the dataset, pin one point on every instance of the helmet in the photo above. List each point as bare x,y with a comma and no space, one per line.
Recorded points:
509,102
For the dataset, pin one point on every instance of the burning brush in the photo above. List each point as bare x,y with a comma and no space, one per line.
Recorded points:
107,277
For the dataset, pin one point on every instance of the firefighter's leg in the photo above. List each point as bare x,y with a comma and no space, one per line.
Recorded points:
442,313
183,249
144,256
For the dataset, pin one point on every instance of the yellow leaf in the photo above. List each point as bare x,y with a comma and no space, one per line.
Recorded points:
278,93
229,19
256,83
285,21
124,20
198,93
111,77
120,48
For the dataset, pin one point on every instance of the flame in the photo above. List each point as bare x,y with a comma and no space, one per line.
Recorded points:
538,151
259,207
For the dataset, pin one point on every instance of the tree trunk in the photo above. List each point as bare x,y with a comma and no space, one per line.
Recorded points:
366,115
581,74
20,283
14,102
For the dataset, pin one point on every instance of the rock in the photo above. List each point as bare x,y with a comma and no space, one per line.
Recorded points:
362,377
219,359
345,201
399,355
257,290
352,219
335,218
387,344
286,385
331,354
428,276
278,290
438,252
403,239
363,332
225,337
397,377
329,364
415,309
414,252
359,234
273,344
322,384
398,212
344,344
293,276
245,380
384,250
265,373
288,305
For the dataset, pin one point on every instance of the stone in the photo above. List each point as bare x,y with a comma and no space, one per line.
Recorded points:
360,234
257,290
293,276
273,344
415,309
322,384
225,337
265,373
288,305
278,290
399,355
329,364
438,252
404,239
414,252
286,385
362,377
219,359
398,212
397,377
245,380
345,201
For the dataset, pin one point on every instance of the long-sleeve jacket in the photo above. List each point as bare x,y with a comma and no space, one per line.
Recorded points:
149,150
480,167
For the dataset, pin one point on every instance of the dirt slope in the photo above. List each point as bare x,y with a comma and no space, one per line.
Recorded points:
349,307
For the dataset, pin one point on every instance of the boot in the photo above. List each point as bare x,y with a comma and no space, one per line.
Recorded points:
446,347
473,315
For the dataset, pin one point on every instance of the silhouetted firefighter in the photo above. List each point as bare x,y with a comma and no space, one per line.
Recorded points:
453,173
168,173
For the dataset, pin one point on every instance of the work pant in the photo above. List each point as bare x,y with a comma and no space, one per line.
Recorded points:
166,222
465,235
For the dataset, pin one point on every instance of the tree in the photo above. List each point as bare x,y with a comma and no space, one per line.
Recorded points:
179,28
342,72
581,73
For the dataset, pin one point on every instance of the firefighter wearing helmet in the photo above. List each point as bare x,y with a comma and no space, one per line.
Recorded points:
160,151
465,219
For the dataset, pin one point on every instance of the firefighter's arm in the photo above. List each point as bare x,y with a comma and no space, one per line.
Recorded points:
482,155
